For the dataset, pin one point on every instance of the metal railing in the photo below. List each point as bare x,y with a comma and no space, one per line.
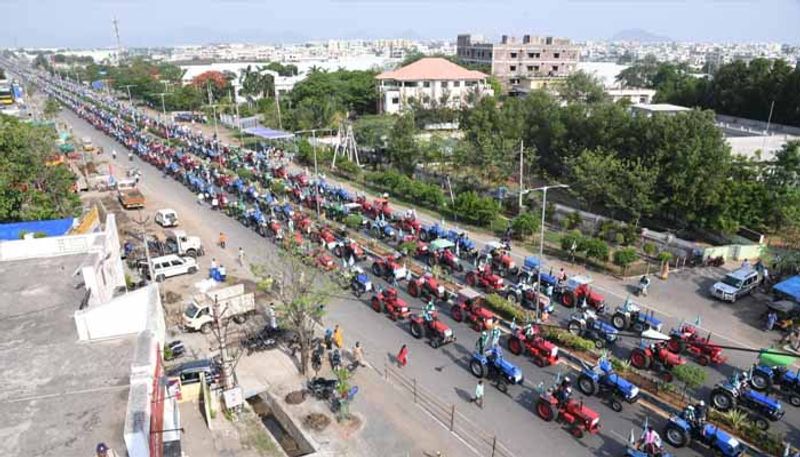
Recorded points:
471,434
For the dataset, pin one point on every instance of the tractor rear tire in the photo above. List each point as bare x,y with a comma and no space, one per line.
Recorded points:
640,359
703,360
423,236
638,327
377,269
477,369
337,251
676,436
794,400
615,405
761,382
417,330
545,411
620,321
567,299
574,327
722,400
676,345
457,313
512,296
413,289
761,423
514,345
539,361
376,304
587,385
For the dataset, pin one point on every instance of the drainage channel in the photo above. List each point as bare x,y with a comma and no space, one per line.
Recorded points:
280,426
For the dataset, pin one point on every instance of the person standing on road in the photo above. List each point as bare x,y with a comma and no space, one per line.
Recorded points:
402,356
478,398
241,256
338,338
358,355
772,318
114,154
222,240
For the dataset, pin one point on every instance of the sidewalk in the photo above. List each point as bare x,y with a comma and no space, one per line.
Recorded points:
389,424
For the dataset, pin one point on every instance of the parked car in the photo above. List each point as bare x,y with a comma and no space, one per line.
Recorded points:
168,266
189,372
736,284
167,217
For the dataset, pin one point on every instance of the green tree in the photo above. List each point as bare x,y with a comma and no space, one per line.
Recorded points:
624,257
582,87
51,108
595,248
471,207
594,176
525,225
403,149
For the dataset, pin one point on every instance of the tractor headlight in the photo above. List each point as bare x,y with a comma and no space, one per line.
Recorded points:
440,290
448,333
554,352
634,393
517,378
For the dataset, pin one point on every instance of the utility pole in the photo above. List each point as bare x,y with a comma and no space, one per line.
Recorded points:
163,105
221,332
316,171
130,101
278,107
769,121
521,185
544,190
214,111
143,222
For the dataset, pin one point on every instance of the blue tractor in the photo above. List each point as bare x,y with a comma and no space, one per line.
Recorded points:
772,373
360,282
736,392
528,274
432,232
381,229
587,325
630,316
492,365
602,380
679,432
466,247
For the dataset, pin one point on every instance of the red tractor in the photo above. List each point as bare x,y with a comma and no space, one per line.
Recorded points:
437,332
501,260
686,338
544,353
302,222
323,260
409,224
387,301
483,278
299,179
325,237
275,228
656,356
313,202
378,207
348,248
467,307
578,288
426,286
580,418
388,267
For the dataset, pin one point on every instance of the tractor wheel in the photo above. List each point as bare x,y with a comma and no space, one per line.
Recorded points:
576,431
377,269
722,400
417,330
599,343
615,405
760,381
761,423
376,304
620,321
512,296
436,342
666,376
567,300
477,369
457,313
337,251
794,400
502,385
638,327
514,345
413,289
703,360
539,361
676,436
423,236
545,411
574,327
206,328
587,385
676,345
471,279
640,359
240,319
429,259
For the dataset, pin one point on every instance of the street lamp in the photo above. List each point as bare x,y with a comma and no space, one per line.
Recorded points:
544,190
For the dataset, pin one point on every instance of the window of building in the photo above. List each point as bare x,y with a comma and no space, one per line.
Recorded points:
395,100
513,55
530,55
556,55
514,81
555,67
530,67
426,84
456,83
536,55
512,68
535,68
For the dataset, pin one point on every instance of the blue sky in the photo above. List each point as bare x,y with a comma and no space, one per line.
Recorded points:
82,23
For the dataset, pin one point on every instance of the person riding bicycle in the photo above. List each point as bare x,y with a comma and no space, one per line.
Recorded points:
428,311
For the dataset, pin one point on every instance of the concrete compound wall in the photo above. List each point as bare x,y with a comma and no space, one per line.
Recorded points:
126,314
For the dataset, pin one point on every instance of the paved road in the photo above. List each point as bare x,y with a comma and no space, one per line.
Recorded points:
442,371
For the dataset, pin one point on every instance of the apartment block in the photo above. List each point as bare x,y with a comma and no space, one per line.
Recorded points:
530,63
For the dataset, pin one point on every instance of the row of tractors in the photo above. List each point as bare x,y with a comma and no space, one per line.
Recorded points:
661,353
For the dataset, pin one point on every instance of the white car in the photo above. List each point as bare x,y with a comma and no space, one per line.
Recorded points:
171,265
167,217
736,284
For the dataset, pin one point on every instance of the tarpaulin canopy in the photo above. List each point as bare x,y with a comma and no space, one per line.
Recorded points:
789,287
55,227
268,133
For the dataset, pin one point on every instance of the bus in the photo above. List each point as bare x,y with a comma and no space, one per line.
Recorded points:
6,94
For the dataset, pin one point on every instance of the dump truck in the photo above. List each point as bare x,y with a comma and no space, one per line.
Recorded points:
128,195
232,303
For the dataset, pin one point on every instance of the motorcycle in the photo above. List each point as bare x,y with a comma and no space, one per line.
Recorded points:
335,358
321,388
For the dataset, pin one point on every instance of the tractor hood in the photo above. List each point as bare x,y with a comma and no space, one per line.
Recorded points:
762,399
442,328
630,391
652,321
509,369
726,443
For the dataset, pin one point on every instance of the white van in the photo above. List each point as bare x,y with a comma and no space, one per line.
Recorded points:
171,265
167,217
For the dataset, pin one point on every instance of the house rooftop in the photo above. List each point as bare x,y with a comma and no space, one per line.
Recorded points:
432,68
660,107
59,396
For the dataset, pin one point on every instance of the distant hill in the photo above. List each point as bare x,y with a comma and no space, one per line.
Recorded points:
639,35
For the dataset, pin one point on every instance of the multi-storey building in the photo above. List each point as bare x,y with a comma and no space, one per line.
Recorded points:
531,63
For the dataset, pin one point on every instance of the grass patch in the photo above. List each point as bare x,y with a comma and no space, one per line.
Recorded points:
256,437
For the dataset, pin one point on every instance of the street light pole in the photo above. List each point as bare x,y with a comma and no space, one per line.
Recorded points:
521,185
544,190
316,171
